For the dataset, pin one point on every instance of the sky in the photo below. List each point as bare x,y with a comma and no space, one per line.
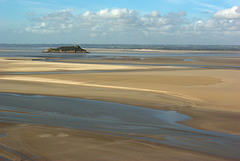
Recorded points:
199,22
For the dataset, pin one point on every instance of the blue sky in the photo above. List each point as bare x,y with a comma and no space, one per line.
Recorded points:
120,21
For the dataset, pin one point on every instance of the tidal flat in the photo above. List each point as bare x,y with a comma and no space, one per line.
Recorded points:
119,107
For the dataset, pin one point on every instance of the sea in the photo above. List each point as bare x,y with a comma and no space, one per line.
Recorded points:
35,51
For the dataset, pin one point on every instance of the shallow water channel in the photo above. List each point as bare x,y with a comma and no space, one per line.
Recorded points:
115,119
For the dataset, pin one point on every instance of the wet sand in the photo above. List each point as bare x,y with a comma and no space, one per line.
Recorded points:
209,96
60,144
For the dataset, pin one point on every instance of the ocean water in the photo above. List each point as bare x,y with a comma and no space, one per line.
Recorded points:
36,52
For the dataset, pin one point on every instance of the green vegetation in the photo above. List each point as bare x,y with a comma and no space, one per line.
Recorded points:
66,49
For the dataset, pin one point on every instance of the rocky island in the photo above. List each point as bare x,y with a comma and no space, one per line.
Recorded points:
66,49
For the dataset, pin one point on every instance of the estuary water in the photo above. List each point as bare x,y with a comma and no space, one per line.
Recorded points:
116,119
36,52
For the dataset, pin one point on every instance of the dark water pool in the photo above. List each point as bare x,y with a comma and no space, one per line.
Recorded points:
116,118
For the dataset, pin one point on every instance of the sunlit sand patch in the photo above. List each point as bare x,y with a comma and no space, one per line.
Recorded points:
62,135
68,82
38,66
44,135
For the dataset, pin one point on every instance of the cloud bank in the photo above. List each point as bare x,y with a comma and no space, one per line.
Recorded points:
232,13
128,25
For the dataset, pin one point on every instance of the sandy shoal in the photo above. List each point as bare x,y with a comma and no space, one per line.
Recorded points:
210,97
26,65
60,144
8,50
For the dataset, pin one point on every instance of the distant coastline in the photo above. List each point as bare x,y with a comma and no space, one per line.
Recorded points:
133,46
105,50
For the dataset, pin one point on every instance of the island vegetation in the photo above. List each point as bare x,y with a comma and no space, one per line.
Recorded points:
66,49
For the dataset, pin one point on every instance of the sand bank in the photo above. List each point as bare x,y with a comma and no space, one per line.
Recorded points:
10,50
22,65
53,143
77,83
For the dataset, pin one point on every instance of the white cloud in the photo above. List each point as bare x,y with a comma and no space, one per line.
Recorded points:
62,16
226,20
116,13
56,22
109,20
232,13
126,24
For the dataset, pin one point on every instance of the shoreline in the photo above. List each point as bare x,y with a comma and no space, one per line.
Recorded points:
99,50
